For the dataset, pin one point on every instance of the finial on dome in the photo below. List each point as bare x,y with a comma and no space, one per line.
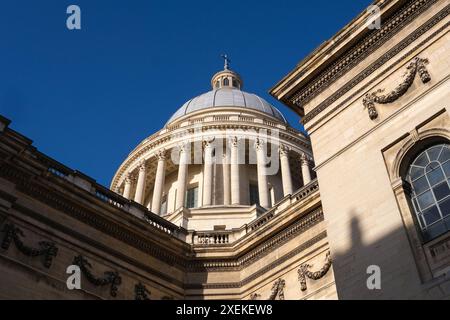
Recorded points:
226,78
227,61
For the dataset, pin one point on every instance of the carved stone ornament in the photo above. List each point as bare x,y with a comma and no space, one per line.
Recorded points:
255,296
161,154
417,66
303,272
141,292
278,290
46,249
111,277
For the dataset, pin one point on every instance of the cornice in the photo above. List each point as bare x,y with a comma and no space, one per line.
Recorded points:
377,65
362,50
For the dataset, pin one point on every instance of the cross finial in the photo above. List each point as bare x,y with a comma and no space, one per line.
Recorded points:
227,61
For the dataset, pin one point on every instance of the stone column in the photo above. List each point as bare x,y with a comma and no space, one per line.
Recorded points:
234,164
140,187
305,169
226,180
127,189
158,189
263,185
208,172
285,170
185,154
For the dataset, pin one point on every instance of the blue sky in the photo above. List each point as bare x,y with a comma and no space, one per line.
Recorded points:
88,97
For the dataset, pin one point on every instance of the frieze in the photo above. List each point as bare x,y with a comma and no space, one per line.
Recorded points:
141,292
46,249
304,272
368,45
278,290
417,66
378,64
111,278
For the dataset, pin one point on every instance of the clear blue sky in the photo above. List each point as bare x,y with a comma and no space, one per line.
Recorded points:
88,97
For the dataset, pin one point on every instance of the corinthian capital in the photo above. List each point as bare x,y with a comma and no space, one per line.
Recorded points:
234,141
142,165
260,144
304,159
161,154
284,150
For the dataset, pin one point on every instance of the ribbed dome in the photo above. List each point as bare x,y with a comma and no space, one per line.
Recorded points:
227,97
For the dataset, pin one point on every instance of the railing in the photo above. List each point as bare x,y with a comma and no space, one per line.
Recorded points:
221,118
111,198
212,238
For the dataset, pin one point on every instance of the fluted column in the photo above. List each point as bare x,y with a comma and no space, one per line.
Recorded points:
182,174
234,168
263,185
208,172
306,173
158,189
127,188
140,187
285,170
226,180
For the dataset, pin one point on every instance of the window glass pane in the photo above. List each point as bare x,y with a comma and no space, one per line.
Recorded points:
441,191
422,160
433,153
435,175
445,155
420,185
425,200
435,231
445,207
431,215
446,167
416,172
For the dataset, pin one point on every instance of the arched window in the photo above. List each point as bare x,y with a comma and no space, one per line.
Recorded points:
226,82
217,84
429,177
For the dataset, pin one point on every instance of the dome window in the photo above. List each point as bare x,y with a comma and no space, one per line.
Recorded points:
226,82
236,83
217,86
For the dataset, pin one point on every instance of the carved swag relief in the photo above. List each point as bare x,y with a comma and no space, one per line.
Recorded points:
14,234
417,66
304,272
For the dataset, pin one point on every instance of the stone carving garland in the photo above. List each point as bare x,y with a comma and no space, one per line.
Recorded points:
417,66
111,277
46,248
278,290
303,272
141,292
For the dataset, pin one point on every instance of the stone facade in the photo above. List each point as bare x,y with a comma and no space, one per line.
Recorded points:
370,100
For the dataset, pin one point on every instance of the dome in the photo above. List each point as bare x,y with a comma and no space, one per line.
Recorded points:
227,97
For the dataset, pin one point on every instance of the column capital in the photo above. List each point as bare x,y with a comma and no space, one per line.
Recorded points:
184,146
129,178
208,142
305,159
142,165
161,154
284,150
234,141
259,144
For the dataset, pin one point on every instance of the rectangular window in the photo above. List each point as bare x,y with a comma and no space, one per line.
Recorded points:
254,194
192,198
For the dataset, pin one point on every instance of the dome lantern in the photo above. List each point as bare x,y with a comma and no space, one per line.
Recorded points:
226,78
